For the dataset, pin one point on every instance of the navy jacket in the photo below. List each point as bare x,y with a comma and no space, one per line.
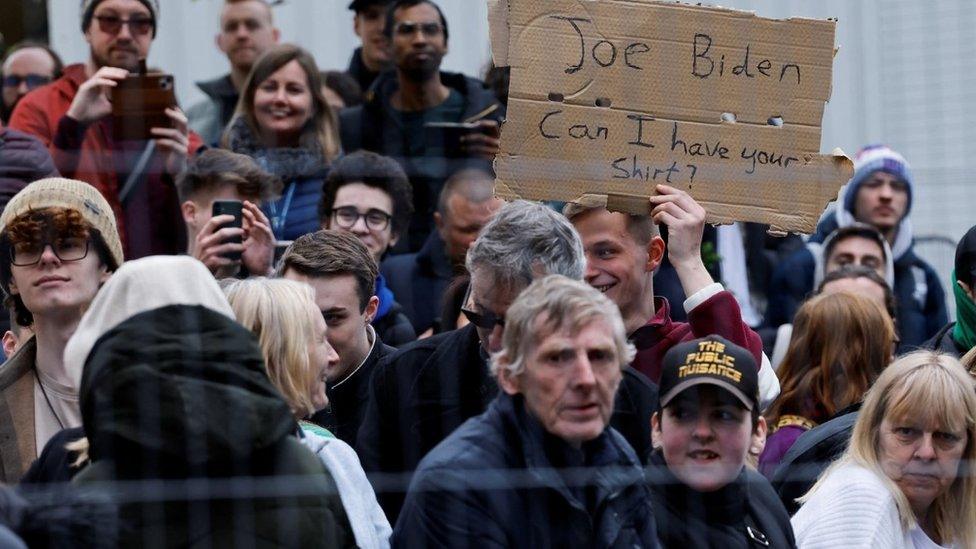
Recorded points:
418,281
423,392
921,304
494,483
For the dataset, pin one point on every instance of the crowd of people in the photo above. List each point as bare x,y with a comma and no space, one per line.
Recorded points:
376,351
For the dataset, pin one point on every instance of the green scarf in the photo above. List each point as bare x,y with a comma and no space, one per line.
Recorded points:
965,331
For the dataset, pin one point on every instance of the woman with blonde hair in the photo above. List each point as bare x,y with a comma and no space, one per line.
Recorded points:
283,121
904,481
840,344
291,332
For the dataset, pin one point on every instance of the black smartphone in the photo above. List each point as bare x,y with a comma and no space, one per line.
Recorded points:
236,209
447,135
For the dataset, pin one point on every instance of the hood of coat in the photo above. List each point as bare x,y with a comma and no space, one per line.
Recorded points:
181,390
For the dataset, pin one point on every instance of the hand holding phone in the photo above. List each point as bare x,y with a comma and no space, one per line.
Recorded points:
139,103
233,208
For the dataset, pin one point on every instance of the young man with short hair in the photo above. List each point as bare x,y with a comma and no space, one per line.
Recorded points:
246,31
58,245
373,56
222,175
72,117
343,274
368,195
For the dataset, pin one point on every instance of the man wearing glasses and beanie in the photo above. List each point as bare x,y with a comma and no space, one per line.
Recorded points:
58,245
71,116
368,195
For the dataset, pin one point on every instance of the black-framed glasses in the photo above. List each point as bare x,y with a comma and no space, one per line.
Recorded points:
409,28
26,254
347,216
32,80
112,24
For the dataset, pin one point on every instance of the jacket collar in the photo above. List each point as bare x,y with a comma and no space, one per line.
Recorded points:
650,334
219,88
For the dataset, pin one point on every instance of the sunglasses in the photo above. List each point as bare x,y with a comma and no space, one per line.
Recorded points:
112,24
408,28
32,80
486,321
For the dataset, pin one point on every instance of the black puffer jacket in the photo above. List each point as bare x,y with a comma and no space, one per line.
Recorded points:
740,515
179,394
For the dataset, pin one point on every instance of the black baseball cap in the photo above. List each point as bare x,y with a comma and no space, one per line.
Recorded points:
711,360
360,5
966,257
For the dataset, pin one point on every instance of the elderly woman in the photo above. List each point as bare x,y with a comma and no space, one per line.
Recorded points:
840,344
284,122
904,480
173,389
292,333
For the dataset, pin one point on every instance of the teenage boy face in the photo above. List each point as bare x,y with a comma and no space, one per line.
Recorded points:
705,434
55,286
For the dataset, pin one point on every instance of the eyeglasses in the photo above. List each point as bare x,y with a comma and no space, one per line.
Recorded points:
409,28
112,24
32,80
486,321
26,254
347,217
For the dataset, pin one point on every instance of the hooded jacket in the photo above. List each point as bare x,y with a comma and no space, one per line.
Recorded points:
920,297
501,480
179,393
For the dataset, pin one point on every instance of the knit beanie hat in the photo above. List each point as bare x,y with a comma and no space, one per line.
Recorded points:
873,158
57,192
88,10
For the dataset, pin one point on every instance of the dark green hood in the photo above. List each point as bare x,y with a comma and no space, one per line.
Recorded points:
181,390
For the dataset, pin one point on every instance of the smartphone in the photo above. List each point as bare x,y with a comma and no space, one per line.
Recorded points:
448,135
139,104
234,208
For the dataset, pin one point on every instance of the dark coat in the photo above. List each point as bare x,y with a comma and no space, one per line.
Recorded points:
943,342
347,400
394,327
55,464
918,319
23,160
690,519
369,127
359,71
423,392
418,281
495,482
180,393
810,455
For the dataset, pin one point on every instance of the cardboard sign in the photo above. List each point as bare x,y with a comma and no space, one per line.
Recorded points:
612,97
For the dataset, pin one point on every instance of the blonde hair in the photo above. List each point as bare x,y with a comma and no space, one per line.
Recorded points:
930,388
282,315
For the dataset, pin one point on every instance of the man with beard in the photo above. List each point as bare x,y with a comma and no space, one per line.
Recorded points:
72,118
408,112
373,56
246,31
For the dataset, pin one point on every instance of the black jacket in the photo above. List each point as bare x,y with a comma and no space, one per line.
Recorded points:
395,328
423,392
368,126
179,393
359,71
810,455
347,401
736,516
418,281
943,342
500,480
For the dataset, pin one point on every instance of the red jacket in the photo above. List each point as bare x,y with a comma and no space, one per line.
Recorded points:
718,314
151,222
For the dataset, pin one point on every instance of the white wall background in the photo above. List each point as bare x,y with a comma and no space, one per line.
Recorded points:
905,74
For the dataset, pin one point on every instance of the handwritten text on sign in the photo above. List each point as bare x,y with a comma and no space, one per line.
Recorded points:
613,96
